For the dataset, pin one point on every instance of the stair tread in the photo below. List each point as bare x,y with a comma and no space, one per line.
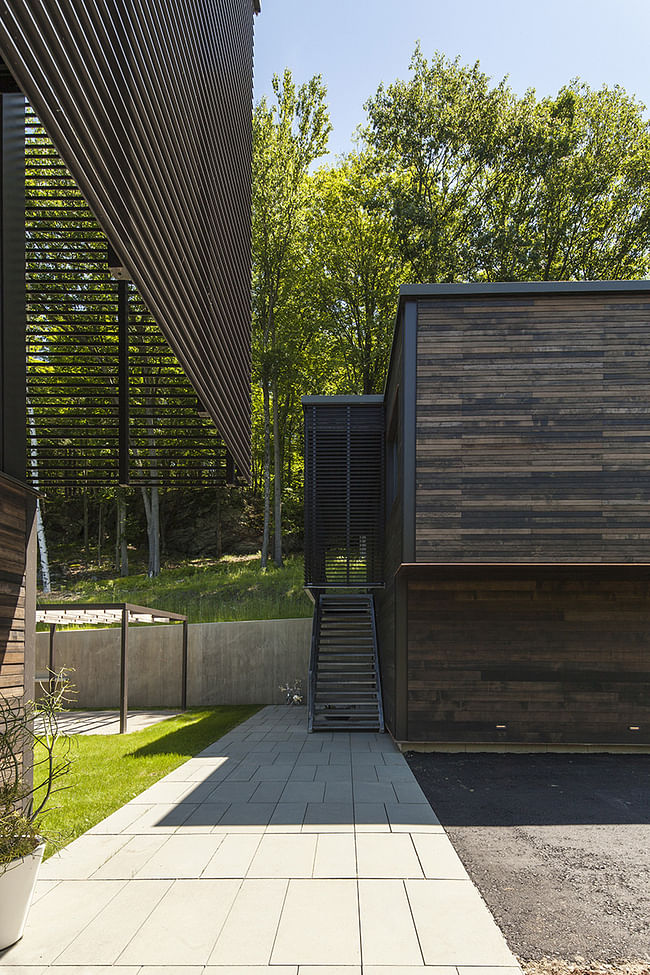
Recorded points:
346,684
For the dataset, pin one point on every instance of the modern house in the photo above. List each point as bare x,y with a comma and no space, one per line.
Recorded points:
147,109
497,532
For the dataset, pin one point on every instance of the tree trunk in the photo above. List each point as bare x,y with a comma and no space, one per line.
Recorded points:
85,520
42,550
100,532
151,499
121,552
277,482
219,545
154,541
267,476
163,526
40,527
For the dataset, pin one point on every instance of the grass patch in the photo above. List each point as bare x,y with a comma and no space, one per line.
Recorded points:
108,770
205,590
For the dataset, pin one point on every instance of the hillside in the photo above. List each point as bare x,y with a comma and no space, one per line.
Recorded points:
233,587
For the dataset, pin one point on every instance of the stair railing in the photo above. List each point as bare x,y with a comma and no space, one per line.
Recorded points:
313,661
375,649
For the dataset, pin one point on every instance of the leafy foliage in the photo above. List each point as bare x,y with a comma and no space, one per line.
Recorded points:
489,186
31,730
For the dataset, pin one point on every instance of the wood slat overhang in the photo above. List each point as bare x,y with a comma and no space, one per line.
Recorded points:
149,105
102,614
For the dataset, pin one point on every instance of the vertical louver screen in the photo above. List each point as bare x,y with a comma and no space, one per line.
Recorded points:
344,493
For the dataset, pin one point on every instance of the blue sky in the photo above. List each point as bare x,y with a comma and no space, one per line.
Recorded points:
356,44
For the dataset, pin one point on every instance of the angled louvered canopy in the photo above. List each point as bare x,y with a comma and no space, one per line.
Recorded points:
149,105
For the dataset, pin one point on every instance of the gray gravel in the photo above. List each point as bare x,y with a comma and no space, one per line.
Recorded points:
558,845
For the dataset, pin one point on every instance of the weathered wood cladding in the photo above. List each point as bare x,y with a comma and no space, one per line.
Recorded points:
556,654
385,599
16,514
533,424
149,105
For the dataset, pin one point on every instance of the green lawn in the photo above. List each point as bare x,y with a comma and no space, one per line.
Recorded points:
108,770
230,588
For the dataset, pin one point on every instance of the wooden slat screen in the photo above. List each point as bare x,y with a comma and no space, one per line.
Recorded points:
149,105
344,494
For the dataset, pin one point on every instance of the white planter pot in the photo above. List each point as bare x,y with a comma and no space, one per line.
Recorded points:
17,884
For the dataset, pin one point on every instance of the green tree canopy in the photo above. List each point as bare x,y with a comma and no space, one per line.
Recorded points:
491,186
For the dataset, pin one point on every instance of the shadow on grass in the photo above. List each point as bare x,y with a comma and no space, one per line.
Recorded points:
195,735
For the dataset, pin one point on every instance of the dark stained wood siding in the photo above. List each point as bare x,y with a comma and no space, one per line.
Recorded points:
385,599
533,428
559,654
15,508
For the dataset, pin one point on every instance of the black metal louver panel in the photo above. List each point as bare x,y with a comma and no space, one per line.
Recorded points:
74,381
149,104
344,493
169,443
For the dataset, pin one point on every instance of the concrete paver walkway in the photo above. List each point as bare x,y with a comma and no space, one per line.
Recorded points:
272,851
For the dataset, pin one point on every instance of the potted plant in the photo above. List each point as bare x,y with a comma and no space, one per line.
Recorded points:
23,804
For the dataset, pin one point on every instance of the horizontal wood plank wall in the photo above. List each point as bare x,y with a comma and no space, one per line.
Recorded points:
385,599
14,507
533,428
556,654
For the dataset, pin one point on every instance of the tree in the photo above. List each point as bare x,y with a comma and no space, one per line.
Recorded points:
288,136
437,134
357,269
488,186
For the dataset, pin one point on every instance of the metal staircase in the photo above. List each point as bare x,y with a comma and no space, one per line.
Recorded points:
344,682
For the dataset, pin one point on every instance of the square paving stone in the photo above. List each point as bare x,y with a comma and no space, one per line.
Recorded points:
388,935
104,939
328,817
249,932
454,925
414,817
387,855
335,856
181,857
284,855
373,792
251,817
58,918
303,792
319,923
233,856
438,858
287,817
204,818
370,817
82,857
124,864
184,926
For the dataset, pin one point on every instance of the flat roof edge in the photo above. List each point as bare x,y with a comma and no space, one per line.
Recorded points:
345,400
519,287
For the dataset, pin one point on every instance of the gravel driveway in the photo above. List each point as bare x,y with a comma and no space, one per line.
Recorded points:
559,846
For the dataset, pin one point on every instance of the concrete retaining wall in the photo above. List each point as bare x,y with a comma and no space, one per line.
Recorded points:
228,663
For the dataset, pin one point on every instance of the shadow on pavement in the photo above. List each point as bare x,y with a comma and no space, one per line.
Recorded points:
486,789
